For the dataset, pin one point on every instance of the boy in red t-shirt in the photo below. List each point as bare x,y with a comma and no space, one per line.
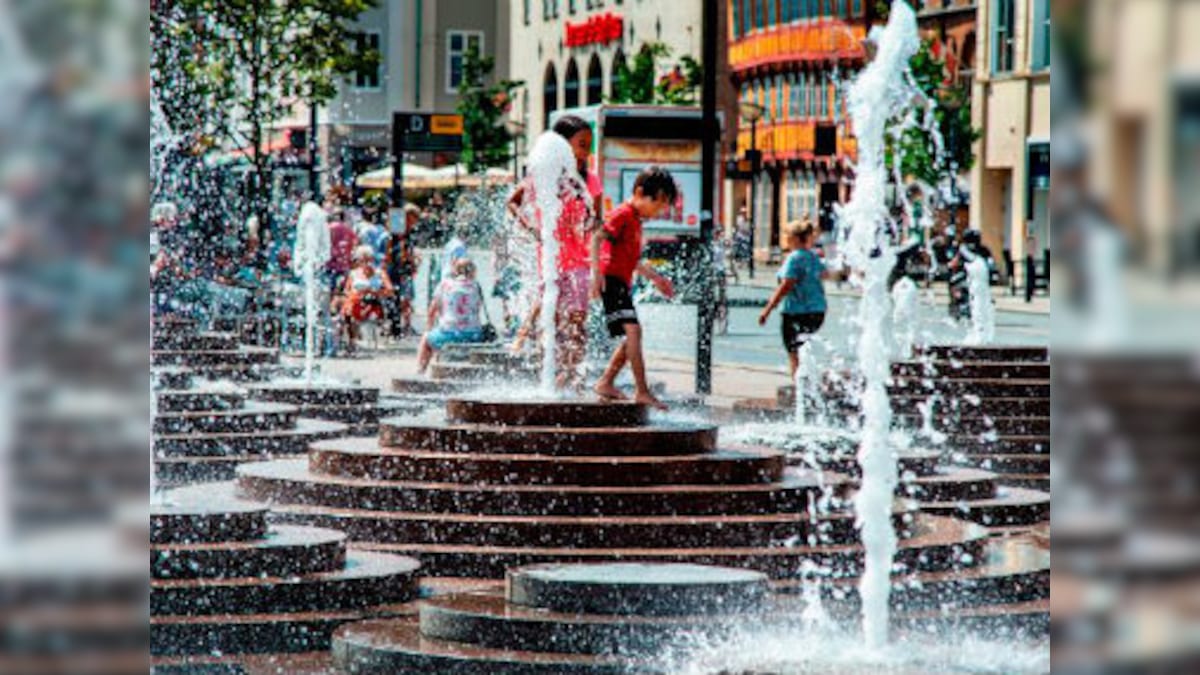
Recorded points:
616,255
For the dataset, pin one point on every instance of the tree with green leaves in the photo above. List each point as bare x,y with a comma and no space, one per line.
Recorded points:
250,62
484,107
952,118
640,83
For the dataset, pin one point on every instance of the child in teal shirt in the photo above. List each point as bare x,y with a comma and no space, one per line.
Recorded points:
800,291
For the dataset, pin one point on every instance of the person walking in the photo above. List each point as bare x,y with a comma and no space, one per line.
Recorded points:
616,256
799,291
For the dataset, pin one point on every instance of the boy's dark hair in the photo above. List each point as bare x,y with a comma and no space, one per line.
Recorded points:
655,181
569,125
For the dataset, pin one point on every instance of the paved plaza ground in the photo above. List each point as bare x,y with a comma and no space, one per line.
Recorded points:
748,360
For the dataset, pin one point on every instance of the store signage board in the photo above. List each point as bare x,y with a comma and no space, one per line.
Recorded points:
596,30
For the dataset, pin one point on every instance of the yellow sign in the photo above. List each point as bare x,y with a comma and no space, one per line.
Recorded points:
446,124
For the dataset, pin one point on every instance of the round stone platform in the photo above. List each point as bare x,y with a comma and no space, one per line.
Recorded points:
637,589
539,413
364,458
558,619
643,441
289,481
189,521
244,588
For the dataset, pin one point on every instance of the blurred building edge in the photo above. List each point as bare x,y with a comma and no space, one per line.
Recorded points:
1010,182
1143,120
421,44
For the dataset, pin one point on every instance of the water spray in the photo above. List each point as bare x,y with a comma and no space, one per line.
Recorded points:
311,253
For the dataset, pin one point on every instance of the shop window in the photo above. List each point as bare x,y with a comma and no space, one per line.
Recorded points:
1041,34
595,81
368,77
571,86
549,94
457,44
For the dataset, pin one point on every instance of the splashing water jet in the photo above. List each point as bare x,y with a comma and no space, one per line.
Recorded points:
881,94
554,171
904,316
983,315
311,254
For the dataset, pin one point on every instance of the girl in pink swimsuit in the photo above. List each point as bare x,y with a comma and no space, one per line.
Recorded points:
577,222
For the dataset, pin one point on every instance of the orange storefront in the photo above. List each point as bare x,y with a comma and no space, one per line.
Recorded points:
792,58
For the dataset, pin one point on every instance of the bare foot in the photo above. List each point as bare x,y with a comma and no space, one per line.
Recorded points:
646,398
608,392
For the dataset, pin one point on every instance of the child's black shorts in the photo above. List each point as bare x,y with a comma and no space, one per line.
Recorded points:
798,328
618,306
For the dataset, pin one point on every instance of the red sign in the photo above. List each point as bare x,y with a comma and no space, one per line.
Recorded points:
600,29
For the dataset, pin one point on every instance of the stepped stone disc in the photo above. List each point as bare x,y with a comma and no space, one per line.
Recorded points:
647,589
183,518
396,646
484,619
547,413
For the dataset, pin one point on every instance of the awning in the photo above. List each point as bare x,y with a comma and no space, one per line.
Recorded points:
418,177
381,179
276,143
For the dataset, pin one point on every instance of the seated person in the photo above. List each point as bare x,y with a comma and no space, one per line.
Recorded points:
453,314
364,289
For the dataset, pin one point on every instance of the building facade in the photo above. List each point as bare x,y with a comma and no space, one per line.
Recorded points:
567,51
1145,117
792,58
1010,182
421,45
951,25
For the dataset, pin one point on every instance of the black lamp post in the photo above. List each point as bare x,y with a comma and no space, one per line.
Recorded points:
314,184
752,113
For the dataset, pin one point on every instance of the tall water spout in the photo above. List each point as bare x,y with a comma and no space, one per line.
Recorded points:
311,253
983,314
881,94
904,314
555,173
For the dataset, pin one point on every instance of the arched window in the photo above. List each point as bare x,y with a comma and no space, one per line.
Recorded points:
571,85
549,94
595,81
967,56
618,64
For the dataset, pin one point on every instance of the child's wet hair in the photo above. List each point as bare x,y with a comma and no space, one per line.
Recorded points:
656,181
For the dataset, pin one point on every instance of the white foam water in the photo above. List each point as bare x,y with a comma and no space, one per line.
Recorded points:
311,253
880,96
983,312
553,168
807,649
904,316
